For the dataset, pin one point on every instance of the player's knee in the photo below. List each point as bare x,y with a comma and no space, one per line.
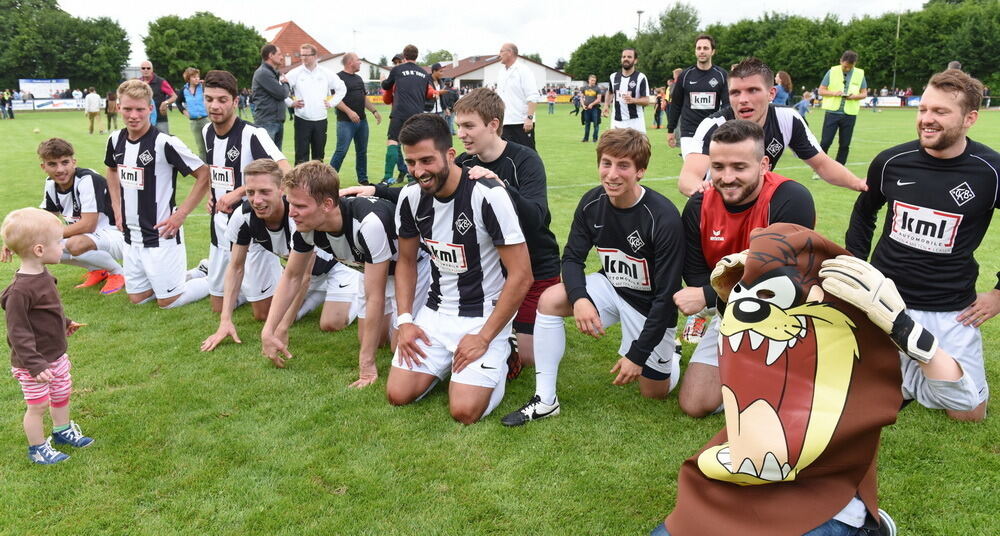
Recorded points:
78,245
974,415
260,315
553,301
695,405
398,397
336,323
466,415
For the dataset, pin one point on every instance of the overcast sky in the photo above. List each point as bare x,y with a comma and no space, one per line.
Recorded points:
379,27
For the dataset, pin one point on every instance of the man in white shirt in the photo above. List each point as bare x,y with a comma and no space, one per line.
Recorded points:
92,105
516,86
311,86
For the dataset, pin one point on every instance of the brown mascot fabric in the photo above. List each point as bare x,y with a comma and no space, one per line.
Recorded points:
808,382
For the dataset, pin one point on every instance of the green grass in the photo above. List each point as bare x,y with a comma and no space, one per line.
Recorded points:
224,443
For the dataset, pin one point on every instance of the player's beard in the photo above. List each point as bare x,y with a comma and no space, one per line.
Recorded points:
438,180
626,65
946,138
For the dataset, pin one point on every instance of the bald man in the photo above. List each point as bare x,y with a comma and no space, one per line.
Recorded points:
163,95
352,124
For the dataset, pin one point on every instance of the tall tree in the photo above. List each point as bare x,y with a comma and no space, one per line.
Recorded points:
437,56
667,43
534,56
205,42
599,55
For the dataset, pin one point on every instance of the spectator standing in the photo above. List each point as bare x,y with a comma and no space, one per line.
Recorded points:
92,106
843,88
783,87
269,95
592,98
111,109
311,86
163,95
352,125
551,98
192,104
516,86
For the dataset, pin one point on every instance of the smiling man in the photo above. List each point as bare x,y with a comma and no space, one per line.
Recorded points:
751,89
700,91
941,190
745,195
640,243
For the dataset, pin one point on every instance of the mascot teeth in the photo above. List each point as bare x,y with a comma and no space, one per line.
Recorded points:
774,350
755,340
735,339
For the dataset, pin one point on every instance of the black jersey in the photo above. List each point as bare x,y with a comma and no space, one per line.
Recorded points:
88,194
522,171
368,235
641,250
938,213
696,95
783,127
409,82
462,233
790,203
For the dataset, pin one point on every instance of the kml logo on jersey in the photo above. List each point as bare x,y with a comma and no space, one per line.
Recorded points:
635,240
145,157
131,177
702,100
447,257
233,153
462,224
774,148
923,228
223,178
962,193
624,271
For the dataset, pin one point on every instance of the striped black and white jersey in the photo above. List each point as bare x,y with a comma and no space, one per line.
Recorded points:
461,234
938,212
368,235
523,172
147,171
635,85
696,95
88,194
641,251
783,127
246,229
228,154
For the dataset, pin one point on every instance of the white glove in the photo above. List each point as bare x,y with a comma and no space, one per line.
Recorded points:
723,279
860,284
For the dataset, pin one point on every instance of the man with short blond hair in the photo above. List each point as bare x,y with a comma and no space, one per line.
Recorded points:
311,86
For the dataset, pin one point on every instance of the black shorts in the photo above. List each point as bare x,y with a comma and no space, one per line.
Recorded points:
396,124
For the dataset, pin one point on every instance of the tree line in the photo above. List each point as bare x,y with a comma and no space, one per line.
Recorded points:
942,31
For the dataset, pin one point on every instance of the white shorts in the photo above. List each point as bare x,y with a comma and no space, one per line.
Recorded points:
218,256
419,298
343,284
445,332
688,146
261,273
964,343
613,309
707,351
639,123
161,269
110,240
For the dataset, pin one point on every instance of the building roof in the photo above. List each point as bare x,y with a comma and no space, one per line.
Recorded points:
472,63
289,36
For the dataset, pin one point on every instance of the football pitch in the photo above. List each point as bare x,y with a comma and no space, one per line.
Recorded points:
225,443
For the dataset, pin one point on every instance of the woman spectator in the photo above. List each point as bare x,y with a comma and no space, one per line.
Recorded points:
191,103
783,83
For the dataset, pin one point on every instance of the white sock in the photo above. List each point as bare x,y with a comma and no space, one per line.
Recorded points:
101,260
550,344
194,290
497,395
312,300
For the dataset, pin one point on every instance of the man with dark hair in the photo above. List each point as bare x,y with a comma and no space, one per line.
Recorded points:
269,95
481,275
628,94
640,243
699,91
941,191
745,195
352,124
409,83
751,88
231,144
592,98
444,97
163,95
843,88
517,87
311,86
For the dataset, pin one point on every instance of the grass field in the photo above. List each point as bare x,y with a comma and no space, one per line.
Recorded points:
224,443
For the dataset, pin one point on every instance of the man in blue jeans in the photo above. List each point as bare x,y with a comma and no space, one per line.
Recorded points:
351,121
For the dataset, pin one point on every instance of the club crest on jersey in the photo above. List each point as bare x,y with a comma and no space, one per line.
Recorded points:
631,84
145,157
713,82
962,193
717,236
923,228
635,240
447,257
462,224
625,271
774,147
233,153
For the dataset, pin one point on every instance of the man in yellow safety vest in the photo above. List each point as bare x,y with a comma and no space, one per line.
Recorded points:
843,88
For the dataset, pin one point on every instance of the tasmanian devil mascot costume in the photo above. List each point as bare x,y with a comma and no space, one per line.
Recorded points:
810,374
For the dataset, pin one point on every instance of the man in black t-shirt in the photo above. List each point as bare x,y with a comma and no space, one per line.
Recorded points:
941,191
351,121
408,82
700,91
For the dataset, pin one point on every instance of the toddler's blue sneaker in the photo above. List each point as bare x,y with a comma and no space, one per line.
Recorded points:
44,454
72,436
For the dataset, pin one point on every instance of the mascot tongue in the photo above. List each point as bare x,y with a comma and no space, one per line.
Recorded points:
787,385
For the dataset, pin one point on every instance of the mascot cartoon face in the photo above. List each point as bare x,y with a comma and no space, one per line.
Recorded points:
786,355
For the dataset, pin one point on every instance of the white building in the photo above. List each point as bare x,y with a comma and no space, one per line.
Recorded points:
483,71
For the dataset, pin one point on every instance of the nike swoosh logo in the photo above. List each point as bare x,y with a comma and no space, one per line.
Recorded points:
424,218
536,415
263,290
342,286
901,183
692,82
662,361
483,365
171,290
118,154
597,226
